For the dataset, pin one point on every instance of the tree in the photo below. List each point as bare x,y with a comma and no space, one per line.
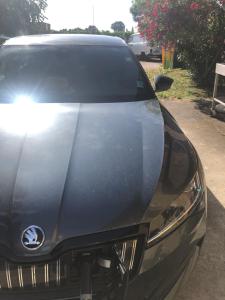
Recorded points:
197,27
136,8
17,16
92,29
118,26
77,30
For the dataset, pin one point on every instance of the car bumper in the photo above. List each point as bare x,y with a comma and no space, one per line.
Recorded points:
164,267
168,264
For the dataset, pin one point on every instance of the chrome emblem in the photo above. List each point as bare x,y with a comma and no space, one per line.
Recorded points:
33,237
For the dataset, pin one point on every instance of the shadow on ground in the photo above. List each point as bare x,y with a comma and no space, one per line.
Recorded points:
151,59
205,107
207,281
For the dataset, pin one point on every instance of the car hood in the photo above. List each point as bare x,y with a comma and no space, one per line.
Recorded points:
76,169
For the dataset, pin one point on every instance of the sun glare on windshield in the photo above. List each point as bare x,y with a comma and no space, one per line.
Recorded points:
23,100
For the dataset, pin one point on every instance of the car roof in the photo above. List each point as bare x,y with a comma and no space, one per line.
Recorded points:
66,39
134,34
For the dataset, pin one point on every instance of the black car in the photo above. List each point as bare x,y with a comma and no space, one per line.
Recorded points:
102,196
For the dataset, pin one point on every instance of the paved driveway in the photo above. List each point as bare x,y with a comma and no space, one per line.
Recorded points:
207,281
149,65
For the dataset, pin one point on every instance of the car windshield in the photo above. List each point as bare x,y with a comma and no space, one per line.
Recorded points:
71,74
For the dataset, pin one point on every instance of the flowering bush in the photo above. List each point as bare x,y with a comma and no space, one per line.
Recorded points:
197,27
165,21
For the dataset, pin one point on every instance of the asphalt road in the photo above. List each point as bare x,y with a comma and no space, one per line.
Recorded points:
207,281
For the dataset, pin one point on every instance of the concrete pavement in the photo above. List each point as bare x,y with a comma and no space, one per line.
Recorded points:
149,65
207,281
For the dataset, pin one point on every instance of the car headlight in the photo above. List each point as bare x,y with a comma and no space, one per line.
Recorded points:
177,212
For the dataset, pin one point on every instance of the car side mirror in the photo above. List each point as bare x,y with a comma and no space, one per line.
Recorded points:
162,83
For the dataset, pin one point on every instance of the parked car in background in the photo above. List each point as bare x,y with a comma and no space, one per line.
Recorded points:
141,47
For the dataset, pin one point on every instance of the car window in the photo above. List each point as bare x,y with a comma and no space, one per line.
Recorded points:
72,74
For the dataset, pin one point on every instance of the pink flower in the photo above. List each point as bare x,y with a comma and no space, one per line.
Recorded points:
194,6
165,7
148,4
155,10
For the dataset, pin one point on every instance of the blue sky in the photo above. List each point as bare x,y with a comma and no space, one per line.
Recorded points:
79,13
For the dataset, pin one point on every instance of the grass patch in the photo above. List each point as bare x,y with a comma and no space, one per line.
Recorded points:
183,86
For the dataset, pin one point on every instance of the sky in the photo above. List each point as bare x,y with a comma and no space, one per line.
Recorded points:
79,13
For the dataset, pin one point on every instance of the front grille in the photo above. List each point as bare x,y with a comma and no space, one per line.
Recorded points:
53,274
126,252
65,271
